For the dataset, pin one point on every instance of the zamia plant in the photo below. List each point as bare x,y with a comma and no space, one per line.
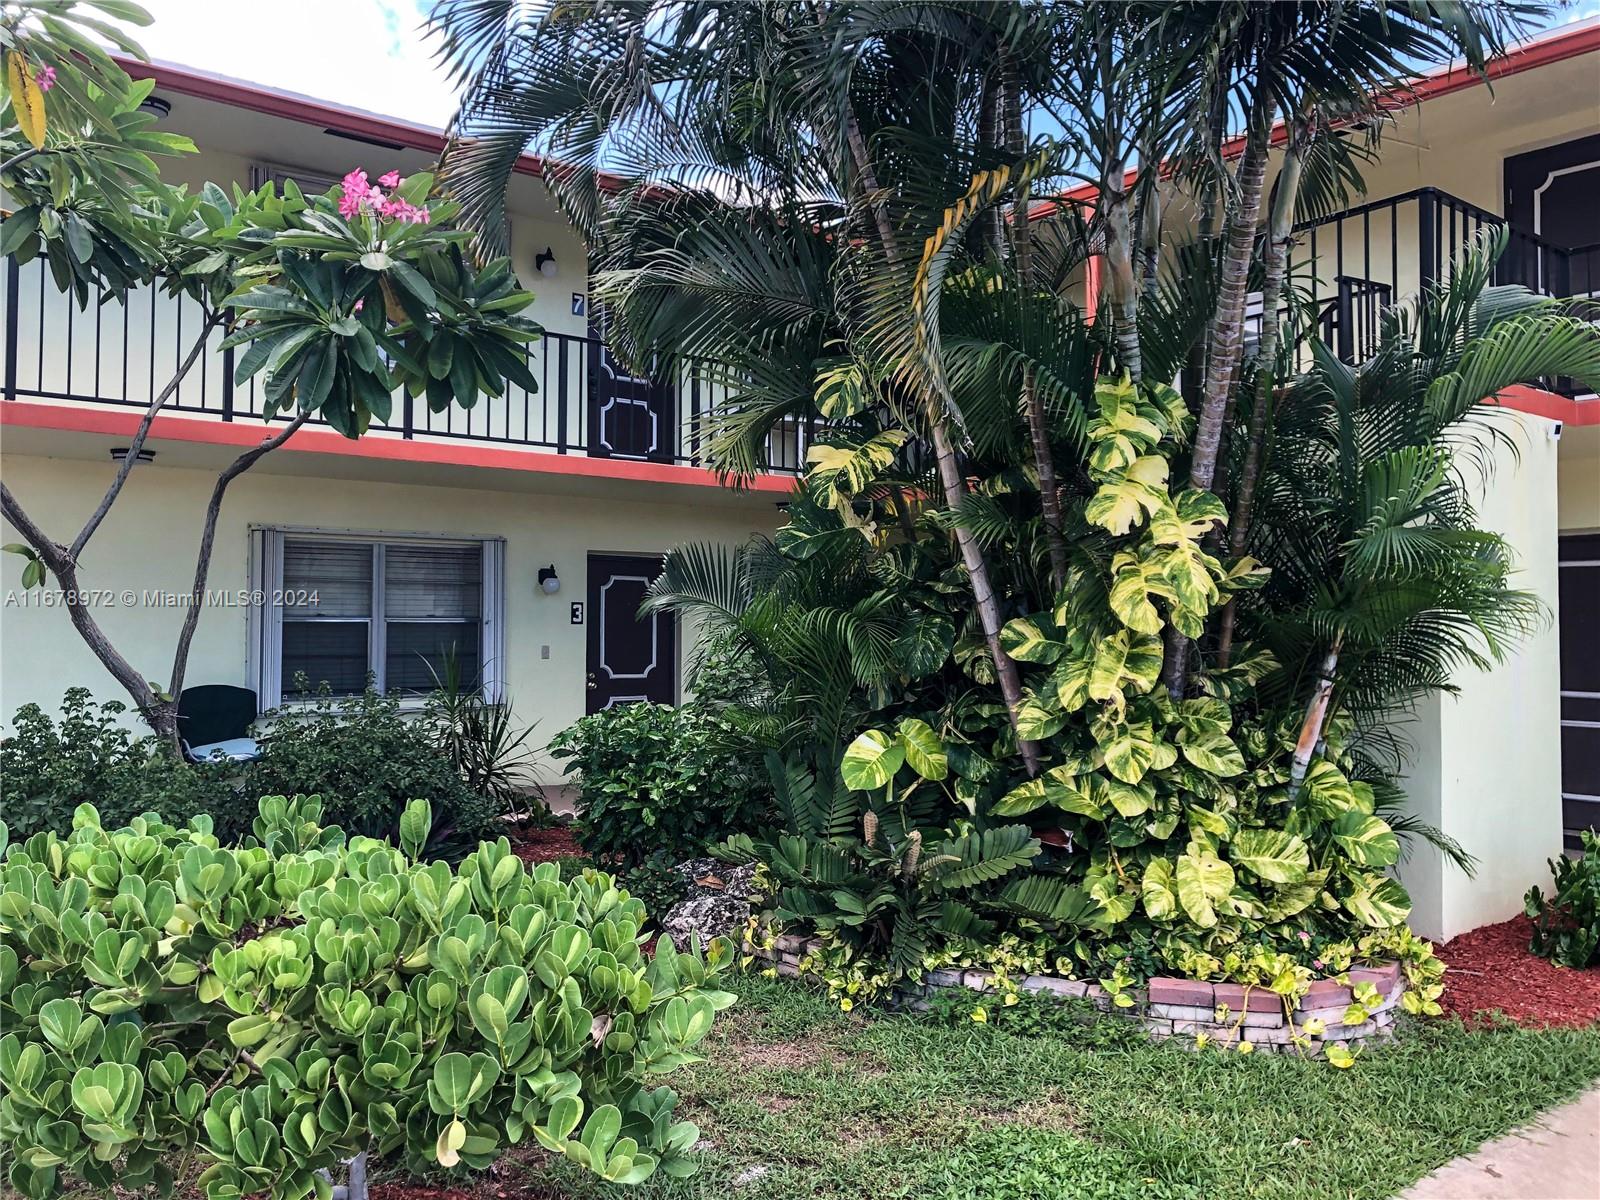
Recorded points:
292,1002
872,860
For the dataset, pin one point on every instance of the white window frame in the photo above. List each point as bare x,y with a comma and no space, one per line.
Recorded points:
264,624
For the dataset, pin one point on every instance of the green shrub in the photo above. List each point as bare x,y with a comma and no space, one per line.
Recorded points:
656,778
303,998
49,767
1566,927
367,760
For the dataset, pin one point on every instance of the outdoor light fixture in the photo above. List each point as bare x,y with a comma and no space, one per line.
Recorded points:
156,107
545,263
549,581
120,454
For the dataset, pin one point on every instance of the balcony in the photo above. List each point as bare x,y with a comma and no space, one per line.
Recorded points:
588,404
1353,265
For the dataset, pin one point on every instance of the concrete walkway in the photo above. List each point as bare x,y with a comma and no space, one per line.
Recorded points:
1557,1157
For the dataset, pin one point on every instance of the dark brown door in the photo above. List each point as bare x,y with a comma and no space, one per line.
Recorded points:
1580,683
1551,193
630,659
630,416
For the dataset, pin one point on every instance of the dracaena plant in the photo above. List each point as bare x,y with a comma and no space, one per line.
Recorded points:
302,998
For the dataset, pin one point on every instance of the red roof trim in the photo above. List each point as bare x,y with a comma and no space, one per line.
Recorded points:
1540,403
1558,47
80,418
204,85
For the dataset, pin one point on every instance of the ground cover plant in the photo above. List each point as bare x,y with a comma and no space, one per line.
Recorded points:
798,1100
304,997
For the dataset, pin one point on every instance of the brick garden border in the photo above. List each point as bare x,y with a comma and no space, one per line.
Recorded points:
1172,1007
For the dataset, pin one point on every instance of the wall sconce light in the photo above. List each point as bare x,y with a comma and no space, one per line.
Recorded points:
545,263
120,454
549,581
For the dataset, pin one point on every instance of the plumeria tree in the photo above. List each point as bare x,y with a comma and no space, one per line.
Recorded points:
337,302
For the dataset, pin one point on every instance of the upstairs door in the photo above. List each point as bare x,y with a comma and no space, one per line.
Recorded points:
630,659
630,416
1551,192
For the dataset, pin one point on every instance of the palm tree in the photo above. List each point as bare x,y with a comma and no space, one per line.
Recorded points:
1382,584
787,163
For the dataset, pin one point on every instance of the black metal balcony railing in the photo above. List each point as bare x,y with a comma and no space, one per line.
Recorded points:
1356,263
1352,265
587,403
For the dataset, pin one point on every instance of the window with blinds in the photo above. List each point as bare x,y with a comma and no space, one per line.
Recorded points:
345,609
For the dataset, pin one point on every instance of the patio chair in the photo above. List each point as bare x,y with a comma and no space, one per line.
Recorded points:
214,723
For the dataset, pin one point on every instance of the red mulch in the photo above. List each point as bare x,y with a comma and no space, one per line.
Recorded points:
1492,968
545,845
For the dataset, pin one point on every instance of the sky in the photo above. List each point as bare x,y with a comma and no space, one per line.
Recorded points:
368,54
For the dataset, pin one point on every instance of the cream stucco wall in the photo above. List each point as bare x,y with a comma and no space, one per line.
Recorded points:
148,542
1487,762
1579,481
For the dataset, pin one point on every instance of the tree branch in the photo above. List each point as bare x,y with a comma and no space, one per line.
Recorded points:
132,457
208,535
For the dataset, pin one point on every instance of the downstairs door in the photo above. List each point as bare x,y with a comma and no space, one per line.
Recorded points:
630,659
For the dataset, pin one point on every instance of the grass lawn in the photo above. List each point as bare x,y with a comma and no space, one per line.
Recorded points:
799,1100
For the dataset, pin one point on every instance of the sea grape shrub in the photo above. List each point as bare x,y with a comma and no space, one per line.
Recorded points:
1566,926
286,1004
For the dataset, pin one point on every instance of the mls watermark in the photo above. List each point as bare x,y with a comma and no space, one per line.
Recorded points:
159,598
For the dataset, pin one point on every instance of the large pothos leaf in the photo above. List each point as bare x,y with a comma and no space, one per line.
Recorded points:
1367,839
1326,791
1122,661
1378,901
871,760
1062,787
1129,747
1158,889
1134,579
923,750
1203,881
1271,854
1032,639
1214,753
923,644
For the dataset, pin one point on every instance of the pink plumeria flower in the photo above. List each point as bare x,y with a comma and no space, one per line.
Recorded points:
46,79
391,180
354,195
1304,936
357,308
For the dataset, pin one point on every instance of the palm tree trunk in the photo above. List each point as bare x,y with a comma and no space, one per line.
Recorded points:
1227,341
1280,238
1122,282
954,486
1032,406
1316,713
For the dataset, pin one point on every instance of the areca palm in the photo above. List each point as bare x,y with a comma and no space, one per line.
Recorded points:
1383,586
786,164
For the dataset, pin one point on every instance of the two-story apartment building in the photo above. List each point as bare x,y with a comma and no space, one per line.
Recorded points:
523,531
520,532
